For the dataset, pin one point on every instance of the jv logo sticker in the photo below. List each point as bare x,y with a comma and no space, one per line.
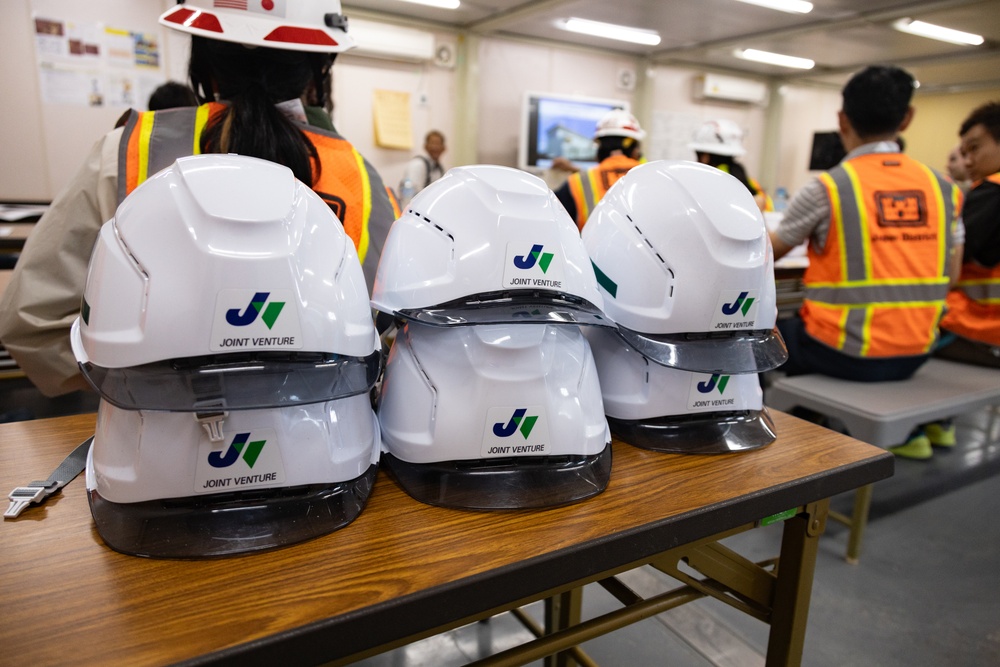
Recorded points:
736,309
515,432
220,460
535,255
528,265
708,392
256,320
252,458
716,381
249,314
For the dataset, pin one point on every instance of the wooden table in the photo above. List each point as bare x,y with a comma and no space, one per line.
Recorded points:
404,570
14,234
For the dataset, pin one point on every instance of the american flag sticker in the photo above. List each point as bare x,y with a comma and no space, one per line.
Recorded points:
267,7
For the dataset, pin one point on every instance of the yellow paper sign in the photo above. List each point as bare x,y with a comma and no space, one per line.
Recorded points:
393,128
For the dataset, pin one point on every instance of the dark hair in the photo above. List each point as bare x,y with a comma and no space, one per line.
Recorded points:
877,98
608,145
987,115
728,164
253,81
170,95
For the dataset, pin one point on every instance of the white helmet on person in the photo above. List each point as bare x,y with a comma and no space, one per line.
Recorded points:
619,123
225,325
665,409
317,26
682,255
494,416
718,137
487,245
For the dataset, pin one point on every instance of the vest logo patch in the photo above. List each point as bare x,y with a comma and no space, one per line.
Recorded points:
901,208
336,204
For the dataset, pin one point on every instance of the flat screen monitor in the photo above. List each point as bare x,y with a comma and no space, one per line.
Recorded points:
827,151
560,126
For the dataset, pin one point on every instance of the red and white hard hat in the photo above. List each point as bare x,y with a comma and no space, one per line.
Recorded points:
719,137
619,123
294,25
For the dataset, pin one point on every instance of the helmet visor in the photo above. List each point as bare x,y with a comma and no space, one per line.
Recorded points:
523,307
226,524
504,484
729,352
234,381
705,433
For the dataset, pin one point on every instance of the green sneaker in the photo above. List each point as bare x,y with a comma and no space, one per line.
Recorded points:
917,447
941,434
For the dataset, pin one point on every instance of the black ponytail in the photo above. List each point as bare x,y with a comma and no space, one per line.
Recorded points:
253,80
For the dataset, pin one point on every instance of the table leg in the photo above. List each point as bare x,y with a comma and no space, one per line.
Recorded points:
793,588
561,612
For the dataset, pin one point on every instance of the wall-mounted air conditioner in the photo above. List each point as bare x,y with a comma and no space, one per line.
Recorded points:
391,42
730,89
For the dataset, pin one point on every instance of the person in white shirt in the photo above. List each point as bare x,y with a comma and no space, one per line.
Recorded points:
422,170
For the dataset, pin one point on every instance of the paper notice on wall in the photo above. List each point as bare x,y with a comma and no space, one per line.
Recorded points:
88,64
392,120
670,134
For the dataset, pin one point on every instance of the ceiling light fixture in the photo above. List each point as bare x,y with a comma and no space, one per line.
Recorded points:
774,58
611,31
441,4
790,6
937,32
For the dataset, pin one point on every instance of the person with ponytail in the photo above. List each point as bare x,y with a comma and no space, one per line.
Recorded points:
250,69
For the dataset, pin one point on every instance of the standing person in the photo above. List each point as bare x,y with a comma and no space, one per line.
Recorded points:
884,244
971,327
249,68
422,170
619,148
718,143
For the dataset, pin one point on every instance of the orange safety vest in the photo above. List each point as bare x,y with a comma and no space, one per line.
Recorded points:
153,140
587,187
974,304
878,287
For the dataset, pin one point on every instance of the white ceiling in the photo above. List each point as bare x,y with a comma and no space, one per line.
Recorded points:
840,35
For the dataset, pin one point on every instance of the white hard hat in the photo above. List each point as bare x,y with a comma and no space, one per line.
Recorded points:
487,244
665,409
294,25
159,487
494,416
619,123
682,255
719,137
225,307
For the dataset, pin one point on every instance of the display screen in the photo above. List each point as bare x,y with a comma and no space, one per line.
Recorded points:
561,126
827,151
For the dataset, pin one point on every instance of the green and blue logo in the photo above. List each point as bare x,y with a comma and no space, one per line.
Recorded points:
518,419
717,381
527,261
741,304
256,307
237,447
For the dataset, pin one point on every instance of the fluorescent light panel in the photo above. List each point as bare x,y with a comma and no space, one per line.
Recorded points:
610,31
937,32
442,4
790,6
774,59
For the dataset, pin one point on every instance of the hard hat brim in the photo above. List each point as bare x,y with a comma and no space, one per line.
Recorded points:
227,524
705,433
731,353
535,307
717,149
504,484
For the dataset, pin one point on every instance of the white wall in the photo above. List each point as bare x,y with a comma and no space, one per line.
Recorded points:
803,110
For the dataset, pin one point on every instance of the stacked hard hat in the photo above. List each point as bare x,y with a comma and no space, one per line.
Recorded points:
490,398
683,260
226,326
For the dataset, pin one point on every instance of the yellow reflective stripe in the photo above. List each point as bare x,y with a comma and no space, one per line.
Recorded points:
943,232
837,216
145,132
866,241
932,333
879,304
200,121
866,331
366,204
981,281
591,177
842,328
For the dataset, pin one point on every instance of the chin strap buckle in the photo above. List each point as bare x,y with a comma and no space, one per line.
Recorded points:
211,421
22,496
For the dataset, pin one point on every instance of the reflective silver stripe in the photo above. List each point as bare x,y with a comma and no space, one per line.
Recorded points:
172,137
129,127
854,329
981,291
854,229
947,190
877,294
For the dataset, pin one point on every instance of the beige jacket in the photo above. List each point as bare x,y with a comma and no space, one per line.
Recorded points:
43,298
